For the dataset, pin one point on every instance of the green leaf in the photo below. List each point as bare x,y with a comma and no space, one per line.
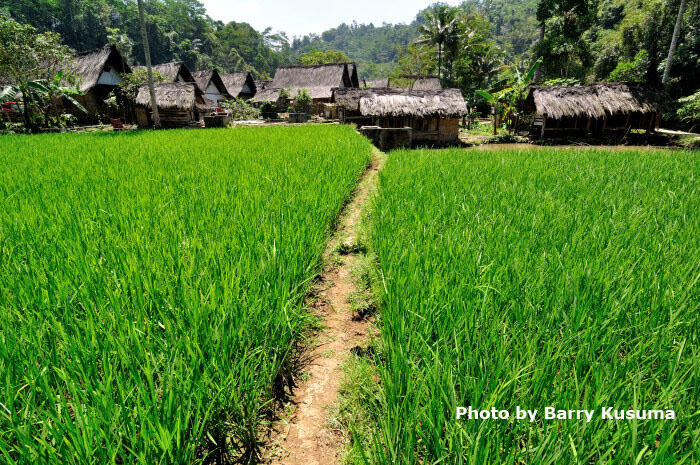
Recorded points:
531,74
485,95
75,102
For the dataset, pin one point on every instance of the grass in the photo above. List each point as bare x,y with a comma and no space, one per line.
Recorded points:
152,284
551,277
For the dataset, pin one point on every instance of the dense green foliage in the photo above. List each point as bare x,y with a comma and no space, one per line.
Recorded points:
564,278
318,57
177,30
152,283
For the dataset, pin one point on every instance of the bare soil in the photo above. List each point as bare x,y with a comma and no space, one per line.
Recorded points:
305,436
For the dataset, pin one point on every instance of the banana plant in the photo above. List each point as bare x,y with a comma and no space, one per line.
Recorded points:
508,100
40,93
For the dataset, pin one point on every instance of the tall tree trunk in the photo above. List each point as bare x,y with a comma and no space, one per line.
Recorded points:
149,69
674,42
440,60
538,72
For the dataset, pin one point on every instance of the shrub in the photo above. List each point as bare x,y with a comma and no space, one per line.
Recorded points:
240,109
632,71
302,101
689,111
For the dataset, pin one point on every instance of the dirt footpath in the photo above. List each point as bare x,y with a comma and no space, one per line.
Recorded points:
305,438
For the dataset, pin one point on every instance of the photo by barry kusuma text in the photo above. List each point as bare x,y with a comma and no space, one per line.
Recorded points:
554,413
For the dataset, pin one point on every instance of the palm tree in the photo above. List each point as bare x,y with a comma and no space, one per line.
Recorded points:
149,68
674,42
439,29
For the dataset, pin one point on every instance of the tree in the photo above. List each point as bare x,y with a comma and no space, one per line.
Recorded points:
674,42
318,57
439,28
149,68
31,61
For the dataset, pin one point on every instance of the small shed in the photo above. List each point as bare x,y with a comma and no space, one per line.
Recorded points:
99,73
211,85
239,85
433,115
180,104
594,109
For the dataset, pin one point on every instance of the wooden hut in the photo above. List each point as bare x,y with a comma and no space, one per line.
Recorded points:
99,73
594,109
239,85
211,85
318,80
175,71
433,115
180,104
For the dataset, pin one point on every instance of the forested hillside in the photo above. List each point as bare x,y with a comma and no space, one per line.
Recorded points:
177,30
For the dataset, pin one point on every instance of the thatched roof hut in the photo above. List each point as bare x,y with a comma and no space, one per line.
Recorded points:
594,101
99,67
210,83
618,105
175,71
319,80
432,115
171,96
418,82
419,103
239,85
179,103
375,83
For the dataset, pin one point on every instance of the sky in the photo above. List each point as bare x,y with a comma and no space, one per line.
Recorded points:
301,17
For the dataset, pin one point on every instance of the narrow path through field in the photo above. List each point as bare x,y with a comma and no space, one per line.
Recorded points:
306,438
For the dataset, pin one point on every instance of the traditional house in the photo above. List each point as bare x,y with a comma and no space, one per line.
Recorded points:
595,109
180,104
99,73
211,85
375,83
318,80
433,115
239,85
175,71
417,82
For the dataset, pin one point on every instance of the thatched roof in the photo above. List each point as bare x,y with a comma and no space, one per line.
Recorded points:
319,80
172,70
594,101
172,96
210,76
402,102
89,65
429,83
236,81
373,83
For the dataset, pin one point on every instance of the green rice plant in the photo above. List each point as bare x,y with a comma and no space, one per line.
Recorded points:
539,278
152,286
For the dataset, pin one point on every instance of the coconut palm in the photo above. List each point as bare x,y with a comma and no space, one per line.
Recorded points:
439,28
674,41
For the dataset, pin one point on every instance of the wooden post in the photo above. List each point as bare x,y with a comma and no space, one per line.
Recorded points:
544,122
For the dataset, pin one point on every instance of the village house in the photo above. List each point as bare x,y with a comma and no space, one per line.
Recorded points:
594,109
432,115
318,80
180,104
212,87
239,85
99,73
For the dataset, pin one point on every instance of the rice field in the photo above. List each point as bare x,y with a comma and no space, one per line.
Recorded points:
152,284
557,278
